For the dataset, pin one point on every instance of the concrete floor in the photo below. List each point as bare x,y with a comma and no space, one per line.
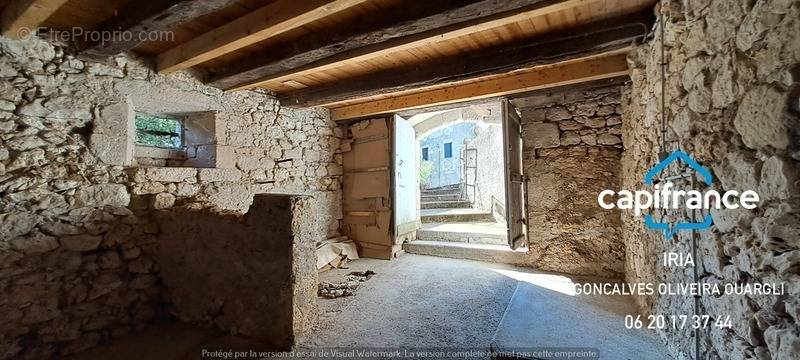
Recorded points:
416,301
545,313
430,302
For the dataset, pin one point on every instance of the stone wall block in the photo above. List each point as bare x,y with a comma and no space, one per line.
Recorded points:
102,194
35,243
759,119
779,179
589,139
212,175
170,174
570,138
569,125
150,187
557,113
163,201
783,342
81,242
608,139
596,122
13,225
543,135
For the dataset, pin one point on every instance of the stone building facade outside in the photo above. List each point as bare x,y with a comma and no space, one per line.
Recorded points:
446,170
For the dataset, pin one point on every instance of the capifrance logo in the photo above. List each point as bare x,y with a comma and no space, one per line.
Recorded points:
666,196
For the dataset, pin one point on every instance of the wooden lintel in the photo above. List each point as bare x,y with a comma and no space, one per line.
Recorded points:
270,20
595,38
459,21
143,18
21,18
602,66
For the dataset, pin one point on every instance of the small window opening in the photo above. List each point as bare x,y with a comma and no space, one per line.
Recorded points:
159,131
425,154
448,150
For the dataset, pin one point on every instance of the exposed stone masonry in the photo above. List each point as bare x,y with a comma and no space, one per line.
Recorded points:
571,152
77,236
732,103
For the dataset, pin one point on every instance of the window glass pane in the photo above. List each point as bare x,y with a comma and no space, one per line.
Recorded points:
159,131
424,153
448,150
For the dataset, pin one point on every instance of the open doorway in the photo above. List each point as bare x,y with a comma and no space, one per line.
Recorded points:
460,168
461,177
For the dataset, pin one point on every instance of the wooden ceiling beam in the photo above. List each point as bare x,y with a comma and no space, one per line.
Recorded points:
396,20
594,38
138,18
452,23
570,72
270,20
21,18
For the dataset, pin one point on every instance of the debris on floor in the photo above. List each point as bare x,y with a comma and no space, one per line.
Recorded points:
335,252
345,288
360,275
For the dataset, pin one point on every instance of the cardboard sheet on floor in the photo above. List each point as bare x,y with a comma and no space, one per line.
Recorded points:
333,248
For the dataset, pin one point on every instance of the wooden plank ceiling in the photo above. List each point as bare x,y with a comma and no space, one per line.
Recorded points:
363,57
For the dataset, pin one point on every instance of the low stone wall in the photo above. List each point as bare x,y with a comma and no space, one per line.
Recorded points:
238,272
571,151
732,103
77,235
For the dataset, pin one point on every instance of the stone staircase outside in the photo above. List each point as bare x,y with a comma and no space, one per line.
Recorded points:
443,197
452,228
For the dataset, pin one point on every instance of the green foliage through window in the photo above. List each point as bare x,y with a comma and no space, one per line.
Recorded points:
159,131
425,171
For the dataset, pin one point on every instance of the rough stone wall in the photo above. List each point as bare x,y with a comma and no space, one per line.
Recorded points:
732,103
77,236
571,151
489,177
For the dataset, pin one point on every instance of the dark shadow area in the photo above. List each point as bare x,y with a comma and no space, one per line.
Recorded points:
231,271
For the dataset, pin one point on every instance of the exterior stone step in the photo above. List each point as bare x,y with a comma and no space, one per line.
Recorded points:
441,191
454,215
445,204
466,232
444,197
479,252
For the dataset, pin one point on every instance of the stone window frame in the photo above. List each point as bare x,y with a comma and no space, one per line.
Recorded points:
199,141
113,139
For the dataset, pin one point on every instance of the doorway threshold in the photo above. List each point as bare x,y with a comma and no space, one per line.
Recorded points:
465,232
470,251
